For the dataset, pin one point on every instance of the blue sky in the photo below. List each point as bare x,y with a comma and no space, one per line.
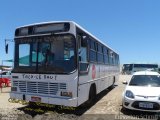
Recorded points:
131,27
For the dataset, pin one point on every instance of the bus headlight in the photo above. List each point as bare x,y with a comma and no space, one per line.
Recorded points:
67,94
13,89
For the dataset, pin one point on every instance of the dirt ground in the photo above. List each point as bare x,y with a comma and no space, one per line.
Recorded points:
107,106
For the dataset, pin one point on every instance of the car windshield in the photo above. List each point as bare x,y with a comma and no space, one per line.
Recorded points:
47,54
145,80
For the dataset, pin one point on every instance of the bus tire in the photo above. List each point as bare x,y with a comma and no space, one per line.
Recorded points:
112,86
92,92
92,95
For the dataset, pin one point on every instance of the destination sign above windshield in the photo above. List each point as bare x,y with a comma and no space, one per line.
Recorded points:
42,29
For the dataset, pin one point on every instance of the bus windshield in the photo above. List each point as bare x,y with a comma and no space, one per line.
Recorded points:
47,54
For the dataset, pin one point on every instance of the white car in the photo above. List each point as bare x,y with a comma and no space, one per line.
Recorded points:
142,92
5,74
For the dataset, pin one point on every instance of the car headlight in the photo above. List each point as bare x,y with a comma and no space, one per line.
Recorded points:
129,94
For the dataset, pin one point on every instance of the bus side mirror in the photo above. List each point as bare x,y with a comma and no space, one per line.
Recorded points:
6,48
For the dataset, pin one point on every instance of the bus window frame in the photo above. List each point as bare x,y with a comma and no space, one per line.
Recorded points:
79,37
93,50
100,52
36,69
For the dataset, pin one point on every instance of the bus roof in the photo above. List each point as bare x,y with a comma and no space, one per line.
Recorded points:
50,22
43,23
140,63
94,37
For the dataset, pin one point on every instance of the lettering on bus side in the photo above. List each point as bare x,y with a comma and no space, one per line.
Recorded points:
38,77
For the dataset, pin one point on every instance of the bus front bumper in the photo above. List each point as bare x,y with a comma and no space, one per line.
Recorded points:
72,102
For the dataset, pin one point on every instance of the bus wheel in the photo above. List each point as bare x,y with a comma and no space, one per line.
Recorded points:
92,95
112,86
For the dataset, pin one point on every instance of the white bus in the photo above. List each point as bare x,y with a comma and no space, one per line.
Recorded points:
61,63
135,67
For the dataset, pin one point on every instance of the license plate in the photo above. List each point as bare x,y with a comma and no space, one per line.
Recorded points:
35,99
145,105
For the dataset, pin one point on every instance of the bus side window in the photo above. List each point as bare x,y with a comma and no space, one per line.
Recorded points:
82,52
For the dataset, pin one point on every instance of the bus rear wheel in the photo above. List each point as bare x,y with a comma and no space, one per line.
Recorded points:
92,93
112,86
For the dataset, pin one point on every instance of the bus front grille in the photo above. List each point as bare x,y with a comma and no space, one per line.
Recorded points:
39,87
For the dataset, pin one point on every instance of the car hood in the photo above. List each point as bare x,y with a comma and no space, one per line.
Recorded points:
144,91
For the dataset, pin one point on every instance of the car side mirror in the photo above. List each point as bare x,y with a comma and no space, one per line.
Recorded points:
125,82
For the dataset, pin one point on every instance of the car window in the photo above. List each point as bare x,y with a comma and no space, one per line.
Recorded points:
145,80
